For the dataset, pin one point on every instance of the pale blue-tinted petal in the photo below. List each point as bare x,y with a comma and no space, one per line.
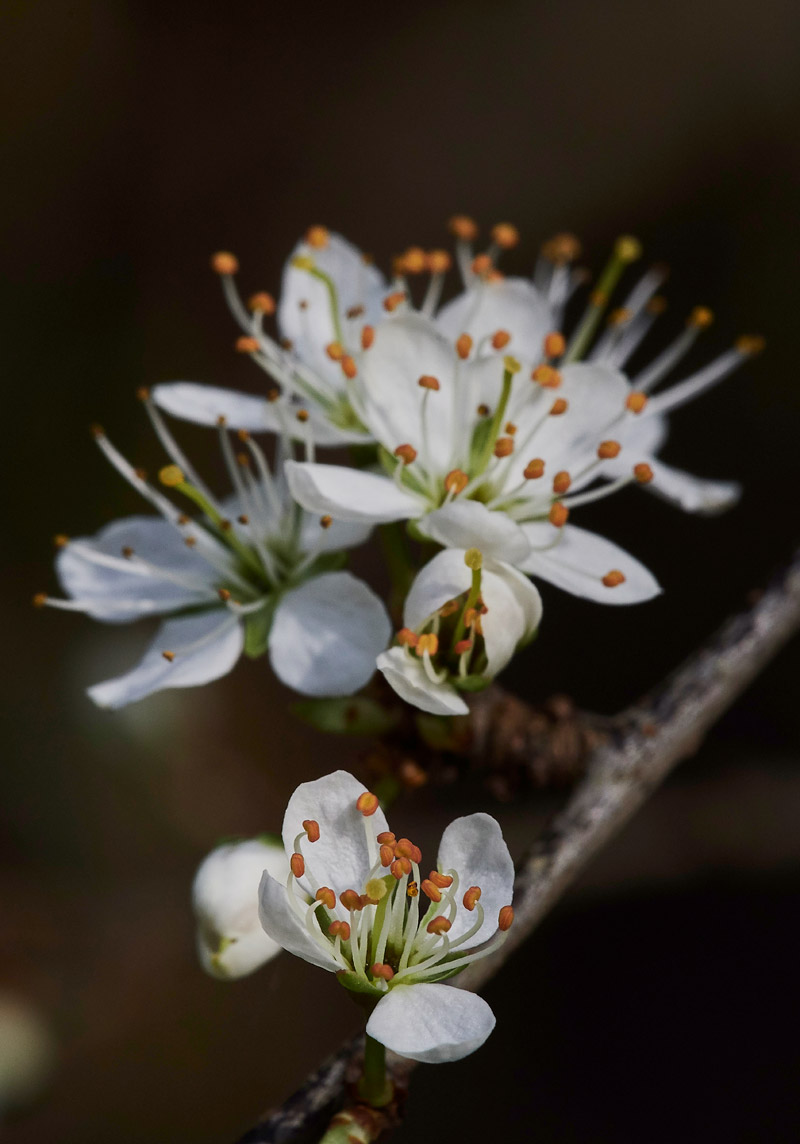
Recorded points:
349,494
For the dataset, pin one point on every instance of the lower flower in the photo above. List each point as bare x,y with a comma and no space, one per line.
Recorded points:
355,903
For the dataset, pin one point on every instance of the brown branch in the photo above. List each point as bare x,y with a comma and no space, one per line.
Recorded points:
646,742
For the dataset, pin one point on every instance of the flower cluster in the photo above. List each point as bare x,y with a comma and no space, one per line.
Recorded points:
480,427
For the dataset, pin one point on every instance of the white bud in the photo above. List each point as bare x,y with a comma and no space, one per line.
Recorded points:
27,1052
230,940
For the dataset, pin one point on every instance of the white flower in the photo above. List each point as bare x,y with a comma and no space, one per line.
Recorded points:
231,941
250,573
465,616
352,906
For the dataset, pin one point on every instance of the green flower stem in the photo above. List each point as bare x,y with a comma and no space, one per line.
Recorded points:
373,1087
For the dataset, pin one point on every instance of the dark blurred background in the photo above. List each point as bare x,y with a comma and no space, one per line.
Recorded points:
656,1004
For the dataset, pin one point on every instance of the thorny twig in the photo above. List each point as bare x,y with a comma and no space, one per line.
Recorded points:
643,745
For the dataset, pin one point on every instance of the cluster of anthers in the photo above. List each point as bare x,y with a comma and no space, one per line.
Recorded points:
378,934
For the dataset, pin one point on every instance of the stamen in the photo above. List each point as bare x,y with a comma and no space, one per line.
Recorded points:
335,351
318,237
223,262
367,337
471,897
297,864
406,638
561,482
559,406
558,514
431,891
367,803
554,345
392,301
407,454
463,227
427,643
387,855
412,890
464,346
546,376
534,469
261,303
607,450
636,402
169,656
481,266
400,868
503,446
500,339
456,481
340,929
386,838
614,578
440,925
428,382
405,848
350,900
643,473
385,972
439,261
505,235
415,260
246,345
326,895
349,368
505,919
443,881
311,827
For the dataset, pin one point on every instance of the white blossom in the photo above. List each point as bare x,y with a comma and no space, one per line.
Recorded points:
250,573
352,906
231,941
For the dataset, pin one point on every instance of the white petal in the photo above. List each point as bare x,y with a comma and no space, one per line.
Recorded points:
341,534
506,623
525,593
124,590
205,404
340,858
577,560
470,524
431,1023
474,847
349,494
405,349
692,494
326,635
596,397
205,647
304,311
408,678
441,579
514,305
230,939
283,926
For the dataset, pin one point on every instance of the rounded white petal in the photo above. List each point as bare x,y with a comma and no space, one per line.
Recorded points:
577,560
506,623
341,534
230,939
121,590
513,304
405,349
474,847
525,593
470,524
341,857
204,646
431,1023
408,678
326,634
443,578
205,404
283,926
304,311
349,494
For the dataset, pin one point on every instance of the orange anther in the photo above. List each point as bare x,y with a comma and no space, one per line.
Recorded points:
428,382
298,865
406,638
400,867
223,262
246,345
353,312
169,656
463,227
456,481
405,848
335,351
559,406
438,925
607,450
510,428
506,918
431,891
462,646
554,345
534,469
387,855
272,395
750,344
386,838
428,643
302,416
350,900
318,237
643,473
558,514
143,393
619,317
503,447
326,895
481,265
340,929
348,367
325,521
471,897
562,248
412,889
505,235
501,339
657,305
439,261
440,880
311,827
415,260
407,453
561,482
61,541
367,337
367,803
701,317
636,402
261,303
39,600
614,578
385,972
546,376
449,609
464,346
483,411
392,301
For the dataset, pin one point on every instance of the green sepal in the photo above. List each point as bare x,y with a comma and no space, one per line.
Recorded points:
480,436
470,682
327,562
347,715
256,630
